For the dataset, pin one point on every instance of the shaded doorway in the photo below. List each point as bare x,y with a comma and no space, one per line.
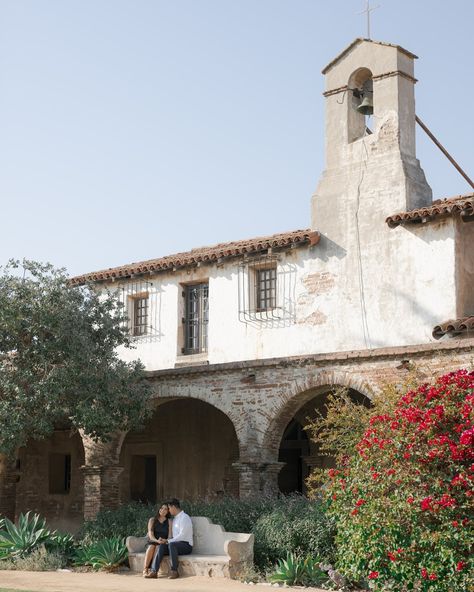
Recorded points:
143,479
296,449
293,448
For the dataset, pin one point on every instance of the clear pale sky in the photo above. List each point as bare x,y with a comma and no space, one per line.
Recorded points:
131,129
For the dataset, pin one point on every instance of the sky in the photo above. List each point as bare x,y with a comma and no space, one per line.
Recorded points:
133,129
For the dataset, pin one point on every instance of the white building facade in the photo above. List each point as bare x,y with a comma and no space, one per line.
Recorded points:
244,340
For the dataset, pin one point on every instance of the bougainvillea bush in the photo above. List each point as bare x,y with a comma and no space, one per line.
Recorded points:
403,498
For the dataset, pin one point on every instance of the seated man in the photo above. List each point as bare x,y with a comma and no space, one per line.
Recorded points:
181,543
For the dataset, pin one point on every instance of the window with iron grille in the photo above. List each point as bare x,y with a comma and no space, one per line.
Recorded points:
196,319
140,315
265,285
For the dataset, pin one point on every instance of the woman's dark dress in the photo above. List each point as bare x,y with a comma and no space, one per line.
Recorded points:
160,530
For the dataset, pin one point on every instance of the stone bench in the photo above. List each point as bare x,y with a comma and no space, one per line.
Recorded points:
215,552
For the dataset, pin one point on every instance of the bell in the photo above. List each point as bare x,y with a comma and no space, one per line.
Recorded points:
366,107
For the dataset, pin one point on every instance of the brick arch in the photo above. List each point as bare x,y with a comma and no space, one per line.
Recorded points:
96,451
169,392
301,392
195,446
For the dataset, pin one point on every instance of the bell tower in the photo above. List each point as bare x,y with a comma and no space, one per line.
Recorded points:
371,168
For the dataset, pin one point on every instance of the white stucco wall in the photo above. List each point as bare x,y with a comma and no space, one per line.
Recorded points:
408,287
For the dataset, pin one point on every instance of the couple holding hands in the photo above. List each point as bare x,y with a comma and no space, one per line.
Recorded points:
170,532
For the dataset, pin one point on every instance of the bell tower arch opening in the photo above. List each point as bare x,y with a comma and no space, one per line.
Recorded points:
360,104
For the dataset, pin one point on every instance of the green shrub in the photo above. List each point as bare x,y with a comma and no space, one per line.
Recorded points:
293,525
107,554
296,571
19,541
61,544
233,514
38,560
127,520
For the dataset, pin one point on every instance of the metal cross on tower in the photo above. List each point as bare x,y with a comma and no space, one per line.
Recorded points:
368,10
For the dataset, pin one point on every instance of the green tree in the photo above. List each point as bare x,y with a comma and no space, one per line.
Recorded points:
58,358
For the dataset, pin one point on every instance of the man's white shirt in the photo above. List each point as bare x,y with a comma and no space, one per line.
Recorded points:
182,529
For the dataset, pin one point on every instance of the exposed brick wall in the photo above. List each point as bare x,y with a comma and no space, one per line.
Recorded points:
259,398
8,480
63,511
101,488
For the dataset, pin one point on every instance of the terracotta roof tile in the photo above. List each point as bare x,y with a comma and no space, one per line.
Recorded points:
462,204
453,327
211,254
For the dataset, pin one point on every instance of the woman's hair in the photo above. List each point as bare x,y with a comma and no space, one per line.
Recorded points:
158,508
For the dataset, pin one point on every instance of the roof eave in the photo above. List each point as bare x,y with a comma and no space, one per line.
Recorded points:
311,239
358,40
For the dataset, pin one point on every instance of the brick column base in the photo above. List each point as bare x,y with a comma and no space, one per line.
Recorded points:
101,489
257,478
8,481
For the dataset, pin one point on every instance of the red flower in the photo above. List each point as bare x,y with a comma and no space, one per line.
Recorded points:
410,499
426,503
424,573
467,437
447,501
432,576
373,575
360,502
355,512
460,566
391,556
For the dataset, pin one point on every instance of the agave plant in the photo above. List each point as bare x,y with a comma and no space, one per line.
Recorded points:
295,570
18,541
289,571
62,544
106,554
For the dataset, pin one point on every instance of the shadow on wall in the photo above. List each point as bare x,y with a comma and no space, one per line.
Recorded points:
326,250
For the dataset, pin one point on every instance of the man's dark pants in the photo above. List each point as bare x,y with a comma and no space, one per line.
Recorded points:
173,550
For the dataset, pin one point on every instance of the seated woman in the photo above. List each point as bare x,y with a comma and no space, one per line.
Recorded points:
159,527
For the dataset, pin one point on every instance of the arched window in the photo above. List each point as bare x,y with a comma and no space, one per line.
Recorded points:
360,104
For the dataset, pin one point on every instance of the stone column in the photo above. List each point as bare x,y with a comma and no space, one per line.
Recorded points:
270,472
101,489
101,472
8,481
257,477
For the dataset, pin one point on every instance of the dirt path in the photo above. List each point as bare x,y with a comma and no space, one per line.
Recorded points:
52,581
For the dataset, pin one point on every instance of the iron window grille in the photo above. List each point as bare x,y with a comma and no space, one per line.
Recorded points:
196,319
141,304
140,315
266,285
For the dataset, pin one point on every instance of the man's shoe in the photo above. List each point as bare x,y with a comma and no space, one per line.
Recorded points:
173,575
151,575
